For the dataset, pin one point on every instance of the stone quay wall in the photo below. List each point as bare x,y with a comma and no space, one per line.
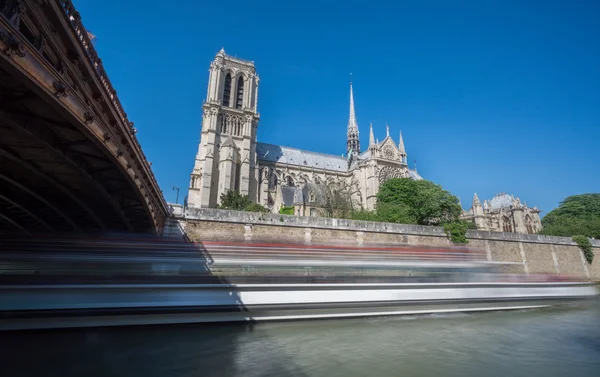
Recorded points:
534,253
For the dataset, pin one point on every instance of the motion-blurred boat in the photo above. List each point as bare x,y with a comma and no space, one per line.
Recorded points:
69,282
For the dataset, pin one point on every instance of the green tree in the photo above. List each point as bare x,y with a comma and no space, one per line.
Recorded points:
285,210
234,200
418,202
337,200
586,246
457,230
255,207
576,215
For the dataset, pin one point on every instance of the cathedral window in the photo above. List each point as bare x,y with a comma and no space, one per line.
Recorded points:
223,124
290,181
506,225
237,177
240,93
529,225
227,90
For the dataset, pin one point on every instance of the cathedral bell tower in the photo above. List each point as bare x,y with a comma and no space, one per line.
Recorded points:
226,158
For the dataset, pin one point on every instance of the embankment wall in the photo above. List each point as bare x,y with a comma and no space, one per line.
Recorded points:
536,253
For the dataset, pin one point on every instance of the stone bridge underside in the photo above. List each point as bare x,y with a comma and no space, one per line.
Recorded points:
69,159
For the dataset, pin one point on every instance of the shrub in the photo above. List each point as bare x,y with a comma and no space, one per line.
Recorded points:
586,246
255,207
286,210
457,230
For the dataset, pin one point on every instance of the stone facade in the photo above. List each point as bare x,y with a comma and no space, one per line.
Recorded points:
230,158
504,213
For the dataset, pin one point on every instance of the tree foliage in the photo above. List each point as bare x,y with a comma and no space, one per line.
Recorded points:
576,215
457,230
337,200
233,200
255,207
586,246
418,202
405,201
286,210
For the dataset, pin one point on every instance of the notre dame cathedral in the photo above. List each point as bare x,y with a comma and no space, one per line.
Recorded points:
230,158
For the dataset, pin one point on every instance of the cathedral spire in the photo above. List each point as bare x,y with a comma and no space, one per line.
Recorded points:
352,142
371,135
476,202
401,145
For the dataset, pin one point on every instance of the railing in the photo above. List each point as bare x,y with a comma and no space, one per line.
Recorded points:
74,18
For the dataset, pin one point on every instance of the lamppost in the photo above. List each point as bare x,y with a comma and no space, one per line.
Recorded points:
177,198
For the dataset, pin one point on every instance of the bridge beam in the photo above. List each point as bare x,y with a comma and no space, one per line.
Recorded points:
26,211
32,169
54,147
38,197
13,223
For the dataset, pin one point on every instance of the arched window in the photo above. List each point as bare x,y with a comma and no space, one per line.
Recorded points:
274,181
240,93
506,225
290,181
529,225
223,124
227,90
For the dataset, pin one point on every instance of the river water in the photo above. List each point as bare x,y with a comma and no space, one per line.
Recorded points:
548,342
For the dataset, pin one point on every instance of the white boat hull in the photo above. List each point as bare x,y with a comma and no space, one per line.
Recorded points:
63,306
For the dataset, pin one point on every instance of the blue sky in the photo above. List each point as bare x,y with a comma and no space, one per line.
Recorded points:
491,96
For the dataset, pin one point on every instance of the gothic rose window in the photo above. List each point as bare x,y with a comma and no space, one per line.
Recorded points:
388,152
388,172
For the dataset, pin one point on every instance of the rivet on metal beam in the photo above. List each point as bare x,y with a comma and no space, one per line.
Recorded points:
88,117
60,89
13,45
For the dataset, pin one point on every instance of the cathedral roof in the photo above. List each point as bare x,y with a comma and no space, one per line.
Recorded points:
287,195
299,157
414,175
501,201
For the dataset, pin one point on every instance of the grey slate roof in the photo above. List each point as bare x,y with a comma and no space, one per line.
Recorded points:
287,195
501,201
298,157
414,175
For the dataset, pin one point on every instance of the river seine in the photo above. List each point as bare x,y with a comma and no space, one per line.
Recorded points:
544,342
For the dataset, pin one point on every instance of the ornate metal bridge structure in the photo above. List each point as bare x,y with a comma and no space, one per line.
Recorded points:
69,157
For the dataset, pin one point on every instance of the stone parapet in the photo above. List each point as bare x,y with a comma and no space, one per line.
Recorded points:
363,226
311,222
